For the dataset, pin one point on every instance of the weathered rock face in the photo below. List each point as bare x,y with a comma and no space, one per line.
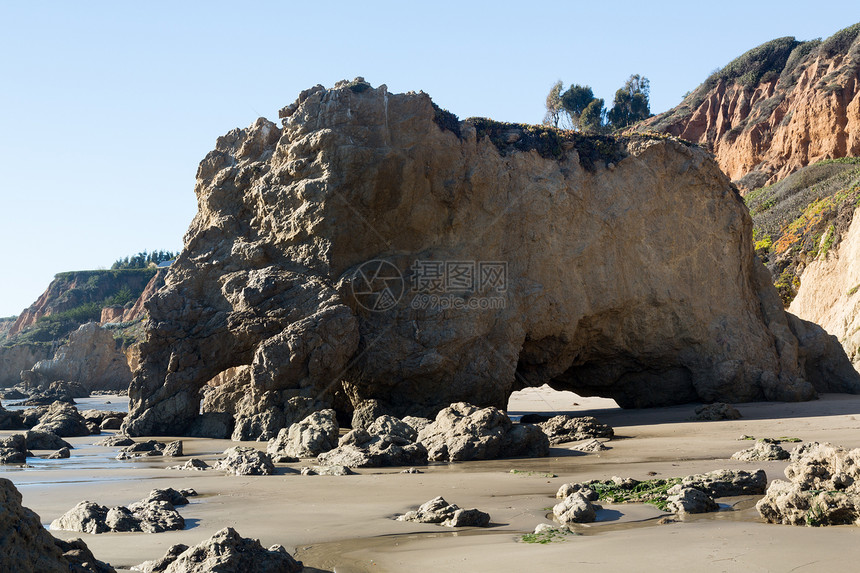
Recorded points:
437,510
91,358
14,359
781,106
26,547
618,268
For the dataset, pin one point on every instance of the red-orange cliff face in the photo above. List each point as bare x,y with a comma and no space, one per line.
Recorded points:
777,108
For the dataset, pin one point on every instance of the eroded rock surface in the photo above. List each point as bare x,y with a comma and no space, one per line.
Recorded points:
63,420
823,488
246,461
26,547
437,510
271,292
308,438
386,442
565,428
153,514
761,451
224,552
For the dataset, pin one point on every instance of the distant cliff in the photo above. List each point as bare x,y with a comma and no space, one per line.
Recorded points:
779,107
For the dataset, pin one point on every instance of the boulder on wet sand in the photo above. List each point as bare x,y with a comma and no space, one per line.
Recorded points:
823,488
13,449
60,454
564,428
192,464
689,500
153,514
726,483
26,547
761,451
117,440
11,420
437,510
571,488
308,438
464,432
64,420
225,552
575,508
384,443
246,461
38,440
173,449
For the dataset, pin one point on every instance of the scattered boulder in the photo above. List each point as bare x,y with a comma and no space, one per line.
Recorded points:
308,438
689,500
153,514
326,471
13,449
575,508
60,454
761,451
13,394
566,428
365,413
192,464
715,412
64,420
259,416
59,391
11,420
725,483
27,547
386,442
173,449
590,446
417,422
225,552
111,423
38,440
246,461
117,440
464,432
823,488
437,510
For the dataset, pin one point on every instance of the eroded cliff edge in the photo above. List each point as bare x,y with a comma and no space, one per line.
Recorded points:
622,268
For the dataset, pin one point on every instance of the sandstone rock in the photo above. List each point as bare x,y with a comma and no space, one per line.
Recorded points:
10,420
245,461
386,442
14,359
26,547
37,440
13,394
57,391
716,411
366,413
725,483
575,508
60,454
689,500
13,449
90,358
566,428
270,281
333,470
590,446
416,422
437,510
312,436
570,488
111,423
225,552
63,420
464,432
803,112
761,451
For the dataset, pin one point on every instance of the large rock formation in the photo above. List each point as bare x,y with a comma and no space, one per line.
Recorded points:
26,547
376,245
775,109
90,357
15,359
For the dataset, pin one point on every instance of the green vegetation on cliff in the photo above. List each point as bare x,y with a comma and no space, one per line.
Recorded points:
803,217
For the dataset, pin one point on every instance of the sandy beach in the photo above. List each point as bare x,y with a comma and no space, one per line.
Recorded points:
346,524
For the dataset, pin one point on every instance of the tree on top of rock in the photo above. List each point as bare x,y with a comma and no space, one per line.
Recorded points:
631,102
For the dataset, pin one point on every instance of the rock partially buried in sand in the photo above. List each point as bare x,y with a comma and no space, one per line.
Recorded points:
117,440
575,508
385,442
689,500
192,464
60,454
727,483
37,440
246,461
715,412
464,432
224,552
761,451
26,547
308,438
823,488
437,510
63,420
571,488
154,514
564,428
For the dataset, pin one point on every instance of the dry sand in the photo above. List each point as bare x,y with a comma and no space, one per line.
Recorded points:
346,524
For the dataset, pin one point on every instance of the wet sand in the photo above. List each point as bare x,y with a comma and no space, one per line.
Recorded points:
346,524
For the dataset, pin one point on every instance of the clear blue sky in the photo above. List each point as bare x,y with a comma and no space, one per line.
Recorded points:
106,108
